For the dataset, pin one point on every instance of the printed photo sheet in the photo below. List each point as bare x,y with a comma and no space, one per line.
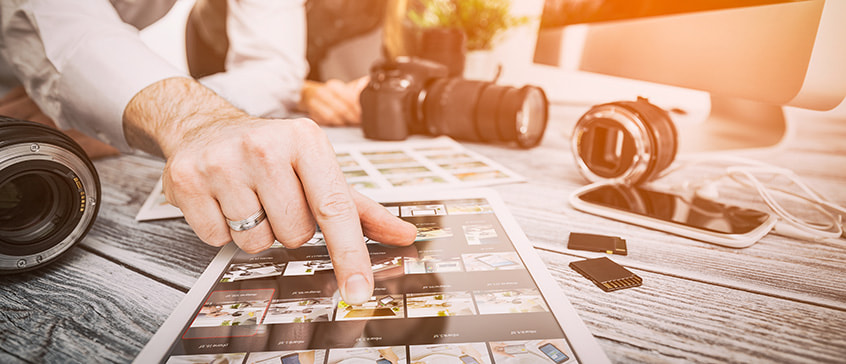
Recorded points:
436,163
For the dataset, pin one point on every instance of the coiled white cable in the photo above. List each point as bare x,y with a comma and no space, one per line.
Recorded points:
762,178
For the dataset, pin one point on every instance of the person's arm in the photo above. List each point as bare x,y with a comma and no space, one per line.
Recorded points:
91,71
79,61
222,163
265,62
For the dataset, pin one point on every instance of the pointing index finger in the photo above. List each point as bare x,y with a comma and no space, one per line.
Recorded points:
334,209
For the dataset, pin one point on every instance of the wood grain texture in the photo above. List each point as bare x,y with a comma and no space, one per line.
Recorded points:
781,300
81,309
671,319
167,249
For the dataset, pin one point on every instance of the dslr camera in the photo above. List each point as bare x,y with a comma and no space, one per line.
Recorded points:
414,96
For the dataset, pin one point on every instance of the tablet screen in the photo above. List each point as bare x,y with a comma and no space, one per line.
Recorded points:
460,292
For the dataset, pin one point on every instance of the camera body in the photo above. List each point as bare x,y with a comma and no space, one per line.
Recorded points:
414,96
391,101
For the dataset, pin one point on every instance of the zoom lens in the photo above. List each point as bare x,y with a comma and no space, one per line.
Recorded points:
48,194
483,111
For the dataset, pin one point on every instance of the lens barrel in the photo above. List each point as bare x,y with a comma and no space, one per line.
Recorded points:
483,111
49,193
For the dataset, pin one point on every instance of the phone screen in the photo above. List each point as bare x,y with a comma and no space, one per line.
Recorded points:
553,353
694,212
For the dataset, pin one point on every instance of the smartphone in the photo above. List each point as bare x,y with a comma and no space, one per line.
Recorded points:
694,217
467,359
553,353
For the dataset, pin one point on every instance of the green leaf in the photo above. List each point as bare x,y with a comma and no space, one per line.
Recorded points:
481,20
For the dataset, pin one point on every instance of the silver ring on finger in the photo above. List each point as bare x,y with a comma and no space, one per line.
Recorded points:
248,223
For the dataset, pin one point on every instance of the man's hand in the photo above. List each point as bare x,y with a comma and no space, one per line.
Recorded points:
333,103
222,163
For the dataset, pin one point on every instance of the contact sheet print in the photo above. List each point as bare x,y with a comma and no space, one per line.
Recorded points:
440,162
433,163
461,294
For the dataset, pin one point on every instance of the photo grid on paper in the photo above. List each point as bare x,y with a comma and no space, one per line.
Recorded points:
437,163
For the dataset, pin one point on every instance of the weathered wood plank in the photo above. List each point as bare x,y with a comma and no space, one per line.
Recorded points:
83,308
168,249
671,319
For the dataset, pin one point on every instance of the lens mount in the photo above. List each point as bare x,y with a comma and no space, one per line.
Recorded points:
625,142
49,193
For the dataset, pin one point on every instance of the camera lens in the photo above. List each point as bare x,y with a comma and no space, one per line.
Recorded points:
27,202
482,111
624,141
48,194
449,108
531,117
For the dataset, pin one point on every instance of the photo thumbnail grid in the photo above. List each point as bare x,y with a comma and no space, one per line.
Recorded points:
439,162
462,265
256,307
449,225
554,351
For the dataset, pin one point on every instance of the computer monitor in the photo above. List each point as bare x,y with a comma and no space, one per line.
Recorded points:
752,56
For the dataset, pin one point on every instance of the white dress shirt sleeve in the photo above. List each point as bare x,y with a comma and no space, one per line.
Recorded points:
265,63
79,62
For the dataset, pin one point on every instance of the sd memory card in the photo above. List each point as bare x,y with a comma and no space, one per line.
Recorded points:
606,274
597,243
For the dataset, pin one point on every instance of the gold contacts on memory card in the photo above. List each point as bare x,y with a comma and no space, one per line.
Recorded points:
606,274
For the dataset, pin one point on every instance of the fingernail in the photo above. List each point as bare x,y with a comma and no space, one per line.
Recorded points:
357,290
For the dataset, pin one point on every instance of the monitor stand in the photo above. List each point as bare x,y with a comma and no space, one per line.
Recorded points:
734,124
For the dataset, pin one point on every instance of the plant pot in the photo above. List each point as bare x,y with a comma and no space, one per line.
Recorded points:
445,46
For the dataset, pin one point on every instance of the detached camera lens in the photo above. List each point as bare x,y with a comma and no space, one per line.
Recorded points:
27,204
48,194
625,142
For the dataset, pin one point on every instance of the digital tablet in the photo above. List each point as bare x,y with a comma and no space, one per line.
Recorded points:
451,297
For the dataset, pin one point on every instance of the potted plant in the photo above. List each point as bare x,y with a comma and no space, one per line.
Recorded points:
481,21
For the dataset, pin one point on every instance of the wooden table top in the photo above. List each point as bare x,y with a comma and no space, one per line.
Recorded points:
780,300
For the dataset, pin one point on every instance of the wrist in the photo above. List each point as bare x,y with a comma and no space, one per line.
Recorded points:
167,113
306,93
